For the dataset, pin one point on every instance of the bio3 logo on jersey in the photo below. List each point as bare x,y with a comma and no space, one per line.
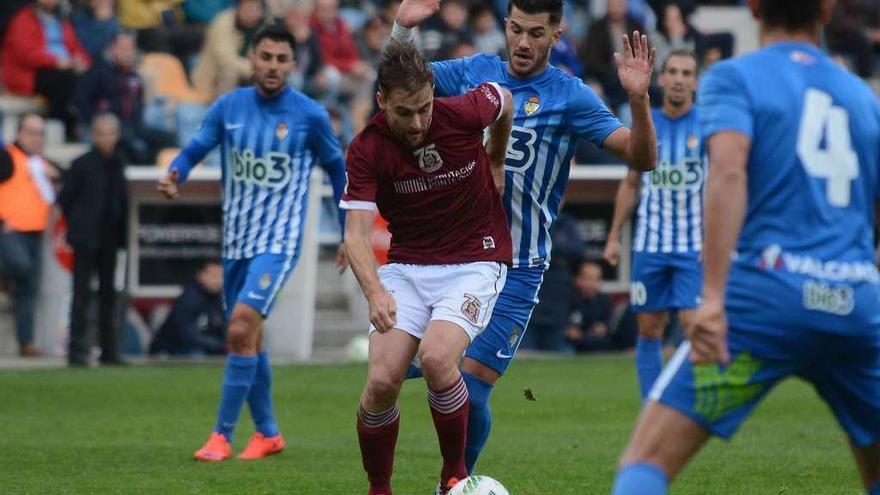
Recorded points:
686,176
834,299
520,149
272,170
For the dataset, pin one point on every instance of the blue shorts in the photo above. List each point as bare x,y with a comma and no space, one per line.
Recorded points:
255,281
665,281
844,369
497,344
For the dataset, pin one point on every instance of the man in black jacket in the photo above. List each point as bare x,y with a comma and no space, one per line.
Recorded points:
113,85
95,203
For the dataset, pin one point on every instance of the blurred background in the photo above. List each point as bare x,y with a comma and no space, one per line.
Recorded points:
158,64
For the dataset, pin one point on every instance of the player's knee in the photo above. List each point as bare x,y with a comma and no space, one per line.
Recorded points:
436,364
383,386
652,327
242,332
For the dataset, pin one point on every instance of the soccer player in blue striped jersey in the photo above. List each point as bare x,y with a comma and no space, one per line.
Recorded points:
790,284
270,136
666,271
552,111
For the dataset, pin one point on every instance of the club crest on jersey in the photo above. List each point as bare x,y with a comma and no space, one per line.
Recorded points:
692,142
429,159
265,281
471,308
514,336
488,242
532,104
281,131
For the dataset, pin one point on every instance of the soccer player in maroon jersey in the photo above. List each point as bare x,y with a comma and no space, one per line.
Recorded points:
421,162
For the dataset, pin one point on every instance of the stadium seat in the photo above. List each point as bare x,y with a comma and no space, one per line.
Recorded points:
166,76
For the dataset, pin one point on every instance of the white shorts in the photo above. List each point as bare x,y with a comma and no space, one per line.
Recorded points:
463,294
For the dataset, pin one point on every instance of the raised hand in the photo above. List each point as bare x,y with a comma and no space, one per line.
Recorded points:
412,12
635,65
168,184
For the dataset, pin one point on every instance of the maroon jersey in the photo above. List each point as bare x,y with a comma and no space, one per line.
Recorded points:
440,202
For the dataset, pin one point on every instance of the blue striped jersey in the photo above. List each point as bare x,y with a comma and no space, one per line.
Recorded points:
813,178
552,110
268,147
669,217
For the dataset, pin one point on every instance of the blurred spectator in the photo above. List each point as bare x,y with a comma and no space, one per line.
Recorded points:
42,55
8,9
564,55
95,202
550,317
160,27
488,38
346,71
371,39
204,11
96,26
309,74
854,31
195,325
589,328
675,32
338,47
465,48
441,33
597,51
114,85
224,62
27,193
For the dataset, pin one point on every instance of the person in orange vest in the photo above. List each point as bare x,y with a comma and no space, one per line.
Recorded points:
27,192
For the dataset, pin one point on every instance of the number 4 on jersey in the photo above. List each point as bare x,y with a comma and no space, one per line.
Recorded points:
837,163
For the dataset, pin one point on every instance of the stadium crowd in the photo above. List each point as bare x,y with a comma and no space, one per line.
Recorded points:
156,65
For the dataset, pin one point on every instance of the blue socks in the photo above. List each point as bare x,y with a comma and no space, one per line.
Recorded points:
640,479
479,418
260,398
237,379
649,363
875,489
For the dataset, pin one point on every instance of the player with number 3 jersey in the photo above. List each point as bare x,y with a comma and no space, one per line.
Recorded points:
552,110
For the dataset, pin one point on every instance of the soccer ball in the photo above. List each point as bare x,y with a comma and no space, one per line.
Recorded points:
358,349
478,485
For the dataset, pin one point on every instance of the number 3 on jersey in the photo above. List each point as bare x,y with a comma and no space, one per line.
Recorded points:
520,149
837,163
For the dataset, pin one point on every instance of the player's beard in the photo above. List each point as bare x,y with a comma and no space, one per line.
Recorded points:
538,63
267,91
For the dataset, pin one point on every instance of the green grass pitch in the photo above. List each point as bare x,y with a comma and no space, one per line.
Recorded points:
133,431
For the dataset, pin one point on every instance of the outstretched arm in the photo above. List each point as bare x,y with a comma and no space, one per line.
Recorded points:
205,140
638,146
624,204
383,308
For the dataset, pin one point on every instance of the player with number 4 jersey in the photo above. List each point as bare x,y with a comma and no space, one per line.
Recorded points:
790,282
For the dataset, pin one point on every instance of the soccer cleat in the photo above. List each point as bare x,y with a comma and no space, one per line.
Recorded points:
261,446
215,450
449,484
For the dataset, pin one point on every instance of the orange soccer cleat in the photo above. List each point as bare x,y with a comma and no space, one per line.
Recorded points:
215,450
261,446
